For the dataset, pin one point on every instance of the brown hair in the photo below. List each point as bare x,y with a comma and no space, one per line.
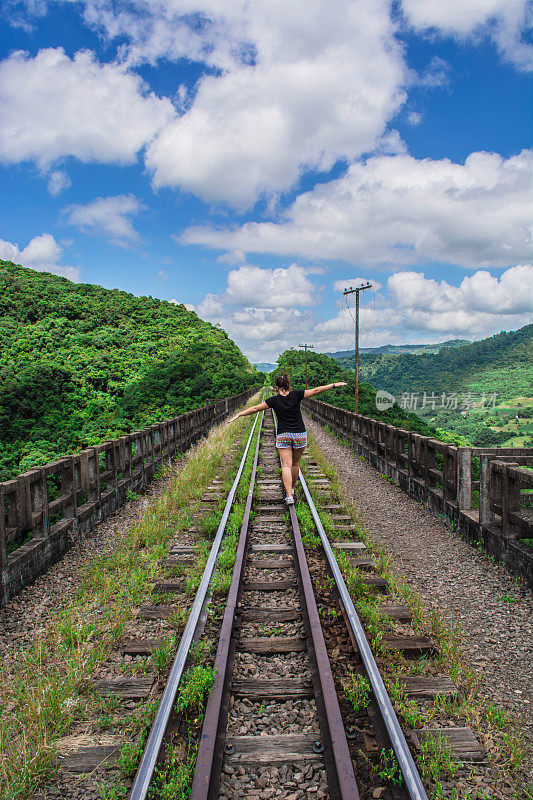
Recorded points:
283,382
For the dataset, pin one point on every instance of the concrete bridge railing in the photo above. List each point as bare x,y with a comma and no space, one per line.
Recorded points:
486,493
63,501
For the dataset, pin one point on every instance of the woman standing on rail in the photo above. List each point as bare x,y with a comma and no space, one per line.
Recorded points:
291,438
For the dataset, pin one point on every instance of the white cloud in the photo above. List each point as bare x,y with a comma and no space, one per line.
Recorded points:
324,80
397,210
162,275
232,257
414,309
480,292
261,333
54,107
414,118
108,217
57,181
506,21
42,253
270,288
263,310
291,87
423,309
436,74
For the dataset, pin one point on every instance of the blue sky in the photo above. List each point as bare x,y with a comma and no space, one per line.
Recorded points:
251,160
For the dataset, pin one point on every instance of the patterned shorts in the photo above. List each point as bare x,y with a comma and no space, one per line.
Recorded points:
294,440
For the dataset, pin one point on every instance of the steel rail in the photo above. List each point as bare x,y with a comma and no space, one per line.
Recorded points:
340,756
148,761
340,752
407,765
206,779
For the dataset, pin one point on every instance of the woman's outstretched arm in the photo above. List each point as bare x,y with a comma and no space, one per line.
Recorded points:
251,410
320,389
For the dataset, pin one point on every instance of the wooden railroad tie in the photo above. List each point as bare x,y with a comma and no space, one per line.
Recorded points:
160,587
271,548
269,586
126,688
269,645
156,612
278,614
413,646
140,647
272,688
89,758
272,749
428,687
271,563
397,612
462,743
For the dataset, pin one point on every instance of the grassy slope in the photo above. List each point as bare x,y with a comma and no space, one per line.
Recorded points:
80,364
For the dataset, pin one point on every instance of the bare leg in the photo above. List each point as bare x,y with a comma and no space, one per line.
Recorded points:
285,454
296,456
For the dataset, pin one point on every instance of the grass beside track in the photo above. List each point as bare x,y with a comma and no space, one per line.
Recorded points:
497,730
50,685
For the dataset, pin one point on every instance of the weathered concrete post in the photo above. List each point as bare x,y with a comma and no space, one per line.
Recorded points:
510,499
486,517
39,505
93,468
464,478
22,521
68,490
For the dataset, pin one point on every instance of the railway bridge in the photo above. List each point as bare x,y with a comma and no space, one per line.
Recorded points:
190,635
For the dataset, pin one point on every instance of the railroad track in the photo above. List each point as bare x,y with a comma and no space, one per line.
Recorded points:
273,719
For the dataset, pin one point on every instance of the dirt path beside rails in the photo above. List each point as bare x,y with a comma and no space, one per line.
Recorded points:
493,611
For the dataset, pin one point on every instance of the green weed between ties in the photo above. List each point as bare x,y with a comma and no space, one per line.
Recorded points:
388,767
196,685
436,763
358,690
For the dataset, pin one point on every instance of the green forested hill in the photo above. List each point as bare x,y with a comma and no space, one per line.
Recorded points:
500,366
322,369
80,364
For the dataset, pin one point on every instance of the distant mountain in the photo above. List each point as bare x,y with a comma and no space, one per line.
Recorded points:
346,355
505,357
264,366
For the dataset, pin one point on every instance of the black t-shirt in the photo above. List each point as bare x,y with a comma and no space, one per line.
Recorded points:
287,410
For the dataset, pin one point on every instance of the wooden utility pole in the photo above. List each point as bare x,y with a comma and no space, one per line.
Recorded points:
356,365
290,364
306,347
